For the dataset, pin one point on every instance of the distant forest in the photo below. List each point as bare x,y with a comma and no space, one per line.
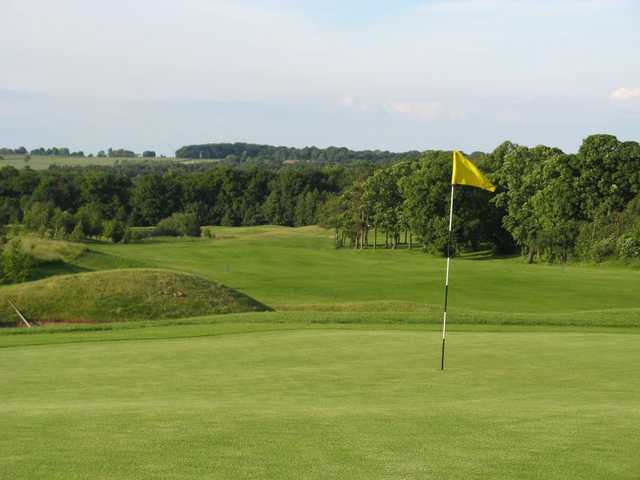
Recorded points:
66,152
549,206
242,152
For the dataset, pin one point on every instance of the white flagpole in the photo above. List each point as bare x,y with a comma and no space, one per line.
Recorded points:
446,282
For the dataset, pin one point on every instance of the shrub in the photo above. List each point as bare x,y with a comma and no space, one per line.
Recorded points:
437,238
92,218
135,234
601,249
628,245
208,233
38,216
114,230
16,264
78,233
179,224
63,223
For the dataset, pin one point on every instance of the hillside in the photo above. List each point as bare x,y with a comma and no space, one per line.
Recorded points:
121,295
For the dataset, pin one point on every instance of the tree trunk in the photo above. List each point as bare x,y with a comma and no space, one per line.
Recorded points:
530,255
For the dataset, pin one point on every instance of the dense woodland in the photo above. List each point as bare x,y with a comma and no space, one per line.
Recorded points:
549,206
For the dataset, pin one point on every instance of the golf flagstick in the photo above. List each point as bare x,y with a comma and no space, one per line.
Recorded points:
464,172
446,281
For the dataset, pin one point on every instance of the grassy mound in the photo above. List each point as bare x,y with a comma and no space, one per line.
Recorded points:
121,295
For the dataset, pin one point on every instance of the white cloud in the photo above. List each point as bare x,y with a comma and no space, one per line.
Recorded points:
421,110
625,94
428,111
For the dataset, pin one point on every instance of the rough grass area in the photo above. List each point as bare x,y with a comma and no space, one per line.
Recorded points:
118,295
324,402
52,250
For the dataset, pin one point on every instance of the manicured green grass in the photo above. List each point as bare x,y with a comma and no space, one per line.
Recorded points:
342,382
324,401
298,268
123,294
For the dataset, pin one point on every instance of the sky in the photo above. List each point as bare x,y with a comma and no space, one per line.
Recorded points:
366,74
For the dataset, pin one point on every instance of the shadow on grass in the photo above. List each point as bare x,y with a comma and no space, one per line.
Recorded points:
487,255
95,260
53,268
248,301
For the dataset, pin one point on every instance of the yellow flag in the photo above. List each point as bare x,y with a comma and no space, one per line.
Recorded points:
466,173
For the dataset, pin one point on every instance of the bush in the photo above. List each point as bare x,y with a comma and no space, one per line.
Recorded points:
63,223
38,217
92,219
208,233
628,246
437,237
114,230
78,233
179,224
16,264
135,234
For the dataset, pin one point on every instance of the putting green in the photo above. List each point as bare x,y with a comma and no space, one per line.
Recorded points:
323,403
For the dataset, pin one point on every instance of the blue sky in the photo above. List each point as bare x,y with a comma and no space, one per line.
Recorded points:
395,75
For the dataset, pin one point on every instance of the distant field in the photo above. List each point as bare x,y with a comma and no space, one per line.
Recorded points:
291,401
42,162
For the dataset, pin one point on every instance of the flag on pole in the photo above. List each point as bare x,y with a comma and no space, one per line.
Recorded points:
464,173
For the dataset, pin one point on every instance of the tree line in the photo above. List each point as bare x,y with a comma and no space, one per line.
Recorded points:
549,205
76,203
66,152
243,152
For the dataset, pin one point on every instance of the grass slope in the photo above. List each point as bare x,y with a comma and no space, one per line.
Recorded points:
125,294
329,402
298,269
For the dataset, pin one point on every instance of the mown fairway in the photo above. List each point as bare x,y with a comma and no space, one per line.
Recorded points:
321,403
299,269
